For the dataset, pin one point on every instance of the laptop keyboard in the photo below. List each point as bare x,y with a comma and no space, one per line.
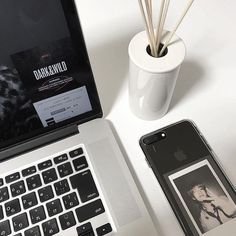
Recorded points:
52,196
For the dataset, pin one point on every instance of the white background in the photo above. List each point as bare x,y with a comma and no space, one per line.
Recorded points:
205,90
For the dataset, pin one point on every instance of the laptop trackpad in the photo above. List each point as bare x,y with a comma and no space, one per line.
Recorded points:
110,173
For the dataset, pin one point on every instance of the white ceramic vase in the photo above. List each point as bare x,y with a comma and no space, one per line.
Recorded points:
152,80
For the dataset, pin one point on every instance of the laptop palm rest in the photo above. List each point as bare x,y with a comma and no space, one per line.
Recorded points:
114,183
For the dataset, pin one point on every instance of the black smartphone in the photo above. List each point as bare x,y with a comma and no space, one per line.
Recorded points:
201,196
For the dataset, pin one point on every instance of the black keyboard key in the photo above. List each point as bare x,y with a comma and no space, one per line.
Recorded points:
20,222
60,159
37,215
4,194
90,210
67,220
65,169
12,177
76,152
5,228
80,163
44,165
1,182
17,188
85,229
29,171
33,182
12,207
18,234
29,200
70,201
91,233
45,194
50,227
49,176
62,187
1,213
105,229
85,185
54,207
35,231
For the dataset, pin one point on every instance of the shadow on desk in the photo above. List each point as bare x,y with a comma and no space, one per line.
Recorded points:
191,74
110,63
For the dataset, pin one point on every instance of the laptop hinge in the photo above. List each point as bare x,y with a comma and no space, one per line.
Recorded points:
39,141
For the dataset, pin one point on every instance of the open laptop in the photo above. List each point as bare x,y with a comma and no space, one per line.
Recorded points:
61,171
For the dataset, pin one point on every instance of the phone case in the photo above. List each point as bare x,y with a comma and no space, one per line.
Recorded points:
146,149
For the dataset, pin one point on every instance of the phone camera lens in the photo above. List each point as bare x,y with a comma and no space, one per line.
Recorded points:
150,140
154,138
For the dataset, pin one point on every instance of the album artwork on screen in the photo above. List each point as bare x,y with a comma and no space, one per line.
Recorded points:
50,74
205,198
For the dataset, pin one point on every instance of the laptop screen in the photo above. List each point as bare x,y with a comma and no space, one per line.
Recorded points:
46,81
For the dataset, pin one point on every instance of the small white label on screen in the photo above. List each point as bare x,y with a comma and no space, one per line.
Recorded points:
63,106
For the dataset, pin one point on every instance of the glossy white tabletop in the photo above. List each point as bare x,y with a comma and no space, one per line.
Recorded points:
205,90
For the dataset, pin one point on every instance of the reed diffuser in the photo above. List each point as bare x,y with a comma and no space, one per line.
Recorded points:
155,56
154,37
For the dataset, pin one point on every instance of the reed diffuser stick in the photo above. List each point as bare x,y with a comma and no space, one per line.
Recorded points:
176,26
151,28
158,32
146,26
150,4
163,18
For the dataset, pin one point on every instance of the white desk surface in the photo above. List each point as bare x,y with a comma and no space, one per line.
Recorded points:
205,91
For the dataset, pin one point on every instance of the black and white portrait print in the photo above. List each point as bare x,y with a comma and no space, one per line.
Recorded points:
204,197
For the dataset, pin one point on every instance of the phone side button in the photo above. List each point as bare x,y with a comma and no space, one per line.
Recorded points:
148,163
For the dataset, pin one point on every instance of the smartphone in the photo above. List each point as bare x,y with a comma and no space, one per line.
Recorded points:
201,196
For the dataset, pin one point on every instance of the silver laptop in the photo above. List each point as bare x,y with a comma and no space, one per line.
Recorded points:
61,170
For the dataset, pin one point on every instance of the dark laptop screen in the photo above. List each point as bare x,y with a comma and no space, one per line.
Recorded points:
45,77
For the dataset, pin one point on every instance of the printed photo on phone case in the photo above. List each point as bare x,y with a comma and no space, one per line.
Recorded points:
204,197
